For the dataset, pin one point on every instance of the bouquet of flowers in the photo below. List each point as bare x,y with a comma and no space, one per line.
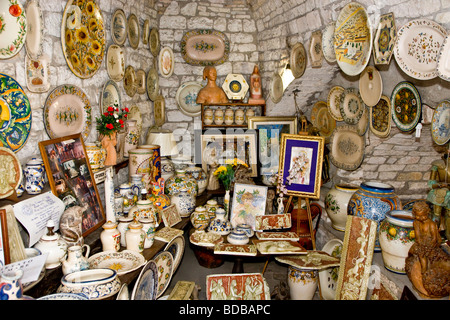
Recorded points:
225,173
112,120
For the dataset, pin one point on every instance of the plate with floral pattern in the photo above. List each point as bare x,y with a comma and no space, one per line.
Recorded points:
186,98
443,63
333,102
115,62
176,248
166,62
122,262
440,124
347,147
13,28
164,265
406,106
380,117
351,105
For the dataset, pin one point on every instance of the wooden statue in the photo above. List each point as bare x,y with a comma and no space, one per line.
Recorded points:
256,96
211,93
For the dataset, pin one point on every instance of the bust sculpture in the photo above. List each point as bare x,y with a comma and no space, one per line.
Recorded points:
211,93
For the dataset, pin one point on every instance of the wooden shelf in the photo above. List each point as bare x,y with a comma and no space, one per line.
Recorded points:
262,106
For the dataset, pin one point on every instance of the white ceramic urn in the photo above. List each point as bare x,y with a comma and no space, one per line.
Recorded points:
302,283
336,204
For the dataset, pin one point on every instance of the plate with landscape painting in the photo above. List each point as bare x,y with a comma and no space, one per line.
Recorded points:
406,106
119,27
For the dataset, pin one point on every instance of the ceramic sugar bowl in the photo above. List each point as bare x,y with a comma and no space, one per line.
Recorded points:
211,207
52,244
200,218
144,209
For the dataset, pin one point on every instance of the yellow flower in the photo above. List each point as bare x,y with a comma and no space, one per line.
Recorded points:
81,35
235,162
220,169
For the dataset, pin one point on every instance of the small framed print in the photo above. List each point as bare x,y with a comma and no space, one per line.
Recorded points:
249,201
301,159
170,216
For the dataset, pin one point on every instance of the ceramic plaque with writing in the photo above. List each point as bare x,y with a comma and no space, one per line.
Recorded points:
115,62
334,101
119,27
186,98
443,64
38,73
328,42
133,31
406,106
380,117
13,28
205,47
384,40
440,124
346,148
315,49
35,29
298,59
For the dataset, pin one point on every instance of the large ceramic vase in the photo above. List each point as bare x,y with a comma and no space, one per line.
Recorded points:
155,160
181,181
109,144
396,236
302,283
184,201
336,204
34,176
373,200
140,162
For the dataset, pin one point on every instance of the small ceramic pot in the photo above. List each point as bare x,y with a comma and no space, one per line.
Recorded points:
110,237
218,117
220,225
184,202
237,237
122,226
336,203
239,116
76,260
211,207
302,283
144,209
96,155
246,228
208,116
51,244
135,237
200,218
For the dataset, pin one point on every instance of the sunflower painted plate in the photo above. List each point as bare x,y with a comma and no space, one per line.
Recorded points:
83,37
119,27
440,124
406,106
13,28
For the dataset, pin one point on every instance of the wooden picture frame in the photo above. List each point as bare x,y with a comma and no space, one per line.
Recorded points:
301,159
65,161
248,202
5,257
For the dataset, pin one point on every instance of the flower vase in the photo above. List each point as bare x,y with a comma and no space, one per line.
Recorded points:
131,137
109,144
226,203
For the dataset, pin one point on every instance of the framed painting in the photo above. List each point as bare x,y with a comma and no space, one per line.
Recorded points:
249,201
301,159
269,137
71,179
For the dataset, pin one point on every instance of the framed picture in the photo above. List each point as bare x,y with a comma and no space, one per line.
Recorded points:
71,179
215,145
248,202
5,257
269,138
301,161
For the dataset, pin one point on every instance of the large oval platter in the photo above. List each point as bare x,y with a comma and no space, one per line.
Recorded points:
35,32
130,81
186,98
83,37
298,59
205,47
115,62
440,124
351,105
15,114
328,42
146,286
380,117
417,47
154,43
110,96
353,39
166,62
347,148
67,111
406,106
119,27
13,28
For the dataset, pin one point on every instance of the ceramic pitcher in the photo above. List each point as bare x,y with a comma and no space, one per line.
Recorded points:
11,286
76,260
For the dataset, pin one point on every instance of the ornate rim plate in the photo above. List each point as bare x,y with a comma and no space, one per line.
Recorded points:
443,62
133,31
140,81
115,62
205,47
38,73
147,283
380,117
153,41
440,124
13,28
384,40
351,106
406,106
119,27
333,102
353,39
276,88
83,37
122,262
164,264
417,47
15,114
186,98
15,177
298,60
152,84
315,49
166,62
67,110
322,119
129,81
347,148
176,248
328,277
35,29
328,42
110,96
370,86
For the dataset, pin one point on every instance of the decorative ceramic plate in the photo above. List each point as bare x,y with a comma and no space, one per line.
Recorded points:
64,296
351,106
384,40
322,119
159,110
276,88
235,86
152,84
334,101
123,293
13,28
153,42
315,49
15,114
363,123
145,31
35,29
176,248
298,60
164,265
347,148
38,73
166,62
353,39
406,106
186,98
443,62
328,42
123,261
67,111
205,47
146,286
83,37
129,81
417,47
328,277
133,31
380,117
115,62
110,96
119,28
440,125
370,86
141,86
12,177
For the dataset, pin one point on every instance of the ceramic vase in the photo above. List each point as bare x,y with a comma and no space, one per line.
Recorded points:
249,113
226,203
396,236
208,116
131,137
122,226
220,224
140,162
155,163
199,175
167,168
302,283
144,209
179,182
110,237
76,260
96,155
239,116
137,184
237,237
200,218
148,226
184,201
211,207
109,144
11,285
218,117
135,237
229,116
336,204
51,244
34,174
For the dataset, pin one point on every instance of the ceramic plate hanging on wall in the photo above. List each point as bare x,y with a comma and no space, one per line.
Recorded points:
147,283
145,31
205,47
67,111
328,42
443,63
235,86
159,110
186,98
152,84
353,39
417,47
315,49
15,114
119,28
176,248
140,81
129,81
35,29
406,106
14,176
334,101
38,73
363,123
347,148
115,62
276,88
384,40
83,37
440,124
135,114
351,106
110,96
298,60
322,120
166,62
380,117
153,42
13,28
133,31
370,86
164,264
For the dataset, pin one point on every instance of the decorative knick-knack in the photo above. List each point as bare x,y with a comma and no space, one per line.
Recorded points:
256,96
218,117
200,218
52,244
184,201
110,237
11,286
135,237
208,116
144,209
34,176
76,260
220,225
109,144
239,116
229,116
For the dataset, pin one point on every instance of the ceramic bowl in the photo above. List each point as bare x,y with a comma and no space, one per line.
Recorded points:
246,228
238,237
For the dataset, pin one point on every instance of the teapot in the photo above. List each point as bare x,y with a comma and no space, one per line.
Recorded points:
75,260
52,244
